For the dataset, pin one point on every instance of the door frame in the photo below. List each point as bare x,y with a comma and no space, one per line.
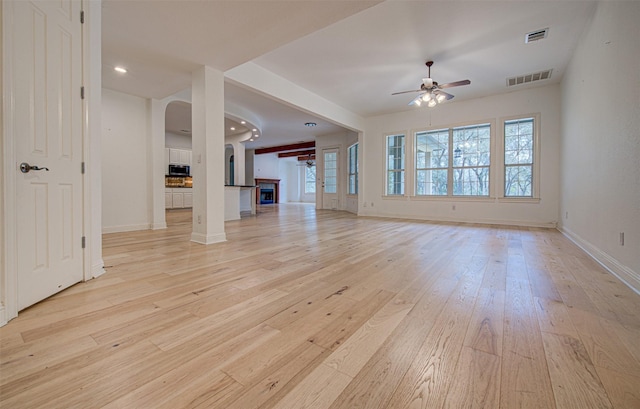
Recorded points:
93,265
320,175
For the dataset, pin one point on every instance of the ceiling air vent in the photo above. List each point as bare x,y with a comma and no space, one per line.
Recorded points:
525,79
536,35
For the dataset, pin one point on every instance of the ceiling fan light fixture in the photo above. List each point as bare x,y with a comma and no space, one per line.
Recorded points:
432,103
426,97
440,98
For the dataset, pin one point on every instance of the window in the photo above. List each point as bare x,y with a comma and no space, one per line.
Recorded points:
518,158
432,162
453,161
310,179
395,164
353,169
471,160
331,171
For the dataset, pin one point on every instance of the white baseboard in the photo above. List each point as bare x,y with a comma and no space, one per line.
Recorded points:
98,269
625,274
208,239
3,316
159,226
124,228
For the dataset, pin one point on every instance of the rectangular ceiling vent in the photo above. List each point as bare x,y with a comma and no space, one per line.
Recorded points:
525,79
536,35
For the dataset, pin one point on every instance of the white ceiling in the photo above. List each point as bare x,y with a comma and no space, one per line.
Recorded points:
353,53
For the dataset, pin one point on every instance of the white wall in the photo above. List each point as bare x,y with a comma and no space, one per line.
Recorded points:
289,191
600,173
177,141
542,100
125,167
265,166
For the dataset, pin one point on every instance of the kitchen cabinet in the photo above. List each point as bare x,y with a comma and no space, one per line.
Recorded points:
185,157
173,156
188,199
178,198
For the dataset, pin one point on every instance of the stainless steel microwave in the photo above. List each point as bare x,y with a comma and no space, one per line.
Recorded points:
179,170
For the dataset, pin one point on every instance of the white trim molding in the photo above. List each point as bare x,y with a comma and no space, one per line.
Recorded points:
625,274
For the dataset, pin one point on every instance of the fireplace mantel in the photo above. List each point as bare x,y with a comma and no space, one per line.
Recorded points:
276,189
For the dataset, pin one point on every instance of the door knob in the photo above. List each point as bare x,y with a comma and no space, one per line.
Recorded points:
25,167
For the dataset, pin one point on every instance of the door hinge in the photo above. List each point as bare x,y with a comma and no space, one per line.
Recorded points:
82,168
81,16
82,92
84,242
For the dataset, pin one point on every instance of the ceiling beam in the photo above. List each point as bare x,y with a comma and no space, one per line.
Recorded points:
297,153
306,158
283,148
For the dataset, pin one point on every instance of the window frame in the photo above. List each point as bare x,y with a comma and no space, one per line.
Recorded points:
307,181
535,171
429,168
355,147
402,171
451,163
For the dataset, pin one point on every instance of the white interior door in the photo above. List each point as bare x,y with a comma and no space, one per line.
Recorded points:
46,64
330,179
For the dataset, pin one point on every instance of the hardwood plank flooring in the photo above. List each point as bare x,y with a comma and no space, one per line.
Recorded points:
306,308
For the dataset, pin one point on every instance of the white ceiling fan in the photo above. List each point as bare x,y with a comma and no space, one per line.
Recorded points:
431,92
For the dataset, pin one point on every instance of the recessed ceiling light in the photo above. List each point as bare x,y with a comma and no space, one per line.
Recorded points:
121,70
232,128
243,122
251,140
256,136
310,124
254,130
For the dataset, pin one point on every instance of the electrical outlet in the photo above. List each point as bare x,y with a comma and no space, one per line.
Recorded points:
199,219
622,238
199,158
566,215
371,204
365,204
453,207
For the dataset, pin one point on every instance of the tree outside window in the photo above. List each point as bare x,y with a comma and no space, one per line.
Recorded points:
518,158
432,162
353,169
395,164
310,179
471,160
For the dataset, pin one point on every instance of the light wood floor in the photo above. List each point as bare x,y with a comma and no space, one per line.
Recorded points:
306,309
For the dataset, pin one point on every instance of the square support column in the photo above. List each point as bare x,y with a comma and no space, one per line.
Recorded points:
207,163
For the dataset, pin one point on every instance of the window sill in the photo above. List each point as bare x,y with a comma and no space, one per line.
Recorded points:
395,197
485,199
479,199
518,200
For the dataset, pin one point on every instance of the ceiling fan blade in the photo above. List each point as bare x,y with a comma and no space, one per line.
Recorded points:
447,96
406,92
417,100
454,84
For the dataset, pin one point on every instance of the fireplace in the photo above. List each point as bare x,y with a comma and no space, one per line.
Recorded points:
267,191
266,196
